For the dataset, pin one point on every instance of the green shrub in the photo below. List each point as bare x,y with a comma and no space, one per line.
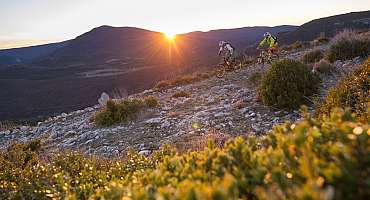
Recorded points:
324,67
151,101
347,45
352,92
181,94
287,84
313,56
312,159
118,112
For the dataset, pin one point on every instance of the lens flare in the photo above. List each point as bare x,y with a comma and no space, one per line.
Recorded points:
170,36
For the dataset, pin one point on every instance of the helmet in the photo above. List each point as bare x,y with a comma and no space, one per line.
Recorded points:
221,43
267,34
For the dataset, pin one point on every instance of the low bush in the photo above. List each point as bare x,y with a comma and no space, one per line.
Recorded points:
118,112
204,75
313,56
181,94
295,46
324,67
288,84
151,101
309,160
351,92
321,40
181,80
347,45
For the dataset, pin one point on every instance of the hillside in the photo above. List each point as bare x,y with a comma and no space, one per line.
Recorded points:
327,27
215,106
26,55
203,137
47,80
107,59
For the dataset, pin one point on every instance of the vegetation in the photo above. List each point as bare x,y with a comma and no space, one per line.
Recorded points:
255,78
181,80
347,45
151,101
288,84
321,40
351,92
181,94
313,56
296,45
118,112
324,67
308,160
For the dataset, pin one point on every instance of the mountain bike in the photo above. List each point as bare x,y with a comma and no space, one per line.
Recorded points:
266,57
227,66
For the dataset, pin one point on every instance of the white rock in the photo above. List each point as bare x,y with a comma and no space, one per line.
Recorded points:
104,98
145,152
221,114
166,124
153,120
24,128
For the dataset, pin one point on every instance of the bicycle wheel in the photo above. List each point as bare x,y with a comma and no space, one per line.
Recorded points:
220,71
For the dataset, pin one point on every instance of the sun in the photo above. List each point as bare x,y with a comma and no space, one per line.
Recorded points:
170,36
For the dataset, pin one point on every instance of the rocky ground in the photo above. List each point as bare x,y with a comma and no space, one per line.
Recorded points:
219,106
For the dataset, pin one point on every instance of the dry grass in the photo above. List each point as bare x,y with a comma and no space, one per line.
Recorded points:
7,125
183,80
181,94
151,101
313,56
347,45
323,66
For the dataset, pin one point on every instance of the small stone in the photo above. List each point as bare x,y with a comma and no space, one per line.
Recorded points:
24,128
221,114
166,124
244,110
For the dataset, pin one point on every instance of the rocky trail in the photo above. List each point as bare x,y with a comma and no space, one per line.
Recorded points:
226,106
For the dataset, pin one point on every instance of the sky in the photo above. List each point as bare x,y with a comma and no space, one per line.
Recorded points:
30,22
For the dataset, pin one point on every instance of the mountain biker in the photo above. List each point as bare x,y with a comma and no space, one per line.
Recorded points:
270,40
227,50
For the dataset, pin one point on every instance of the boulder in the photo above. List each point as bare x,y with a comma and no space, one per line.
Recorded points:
104,98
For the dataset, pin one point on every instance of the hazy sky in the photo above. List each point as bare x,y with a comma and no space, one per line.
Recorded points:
25,22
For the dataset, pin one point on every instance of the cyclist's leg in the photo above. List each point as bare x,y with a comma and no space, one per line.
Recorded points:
274,48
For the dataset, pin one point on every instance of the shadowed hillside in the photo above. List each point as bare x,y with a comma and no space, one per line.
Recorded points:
327,26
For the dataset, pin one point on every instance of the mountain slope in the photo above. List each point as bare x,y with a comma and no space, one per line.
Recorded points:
28,54
328,26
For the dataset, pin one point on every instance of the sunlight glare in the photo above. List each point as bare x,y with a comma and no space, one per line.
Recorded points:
170,36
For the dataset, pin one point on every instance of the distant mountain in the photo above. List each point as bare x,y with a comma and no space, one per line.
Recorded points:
28,54
128,45
327,26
